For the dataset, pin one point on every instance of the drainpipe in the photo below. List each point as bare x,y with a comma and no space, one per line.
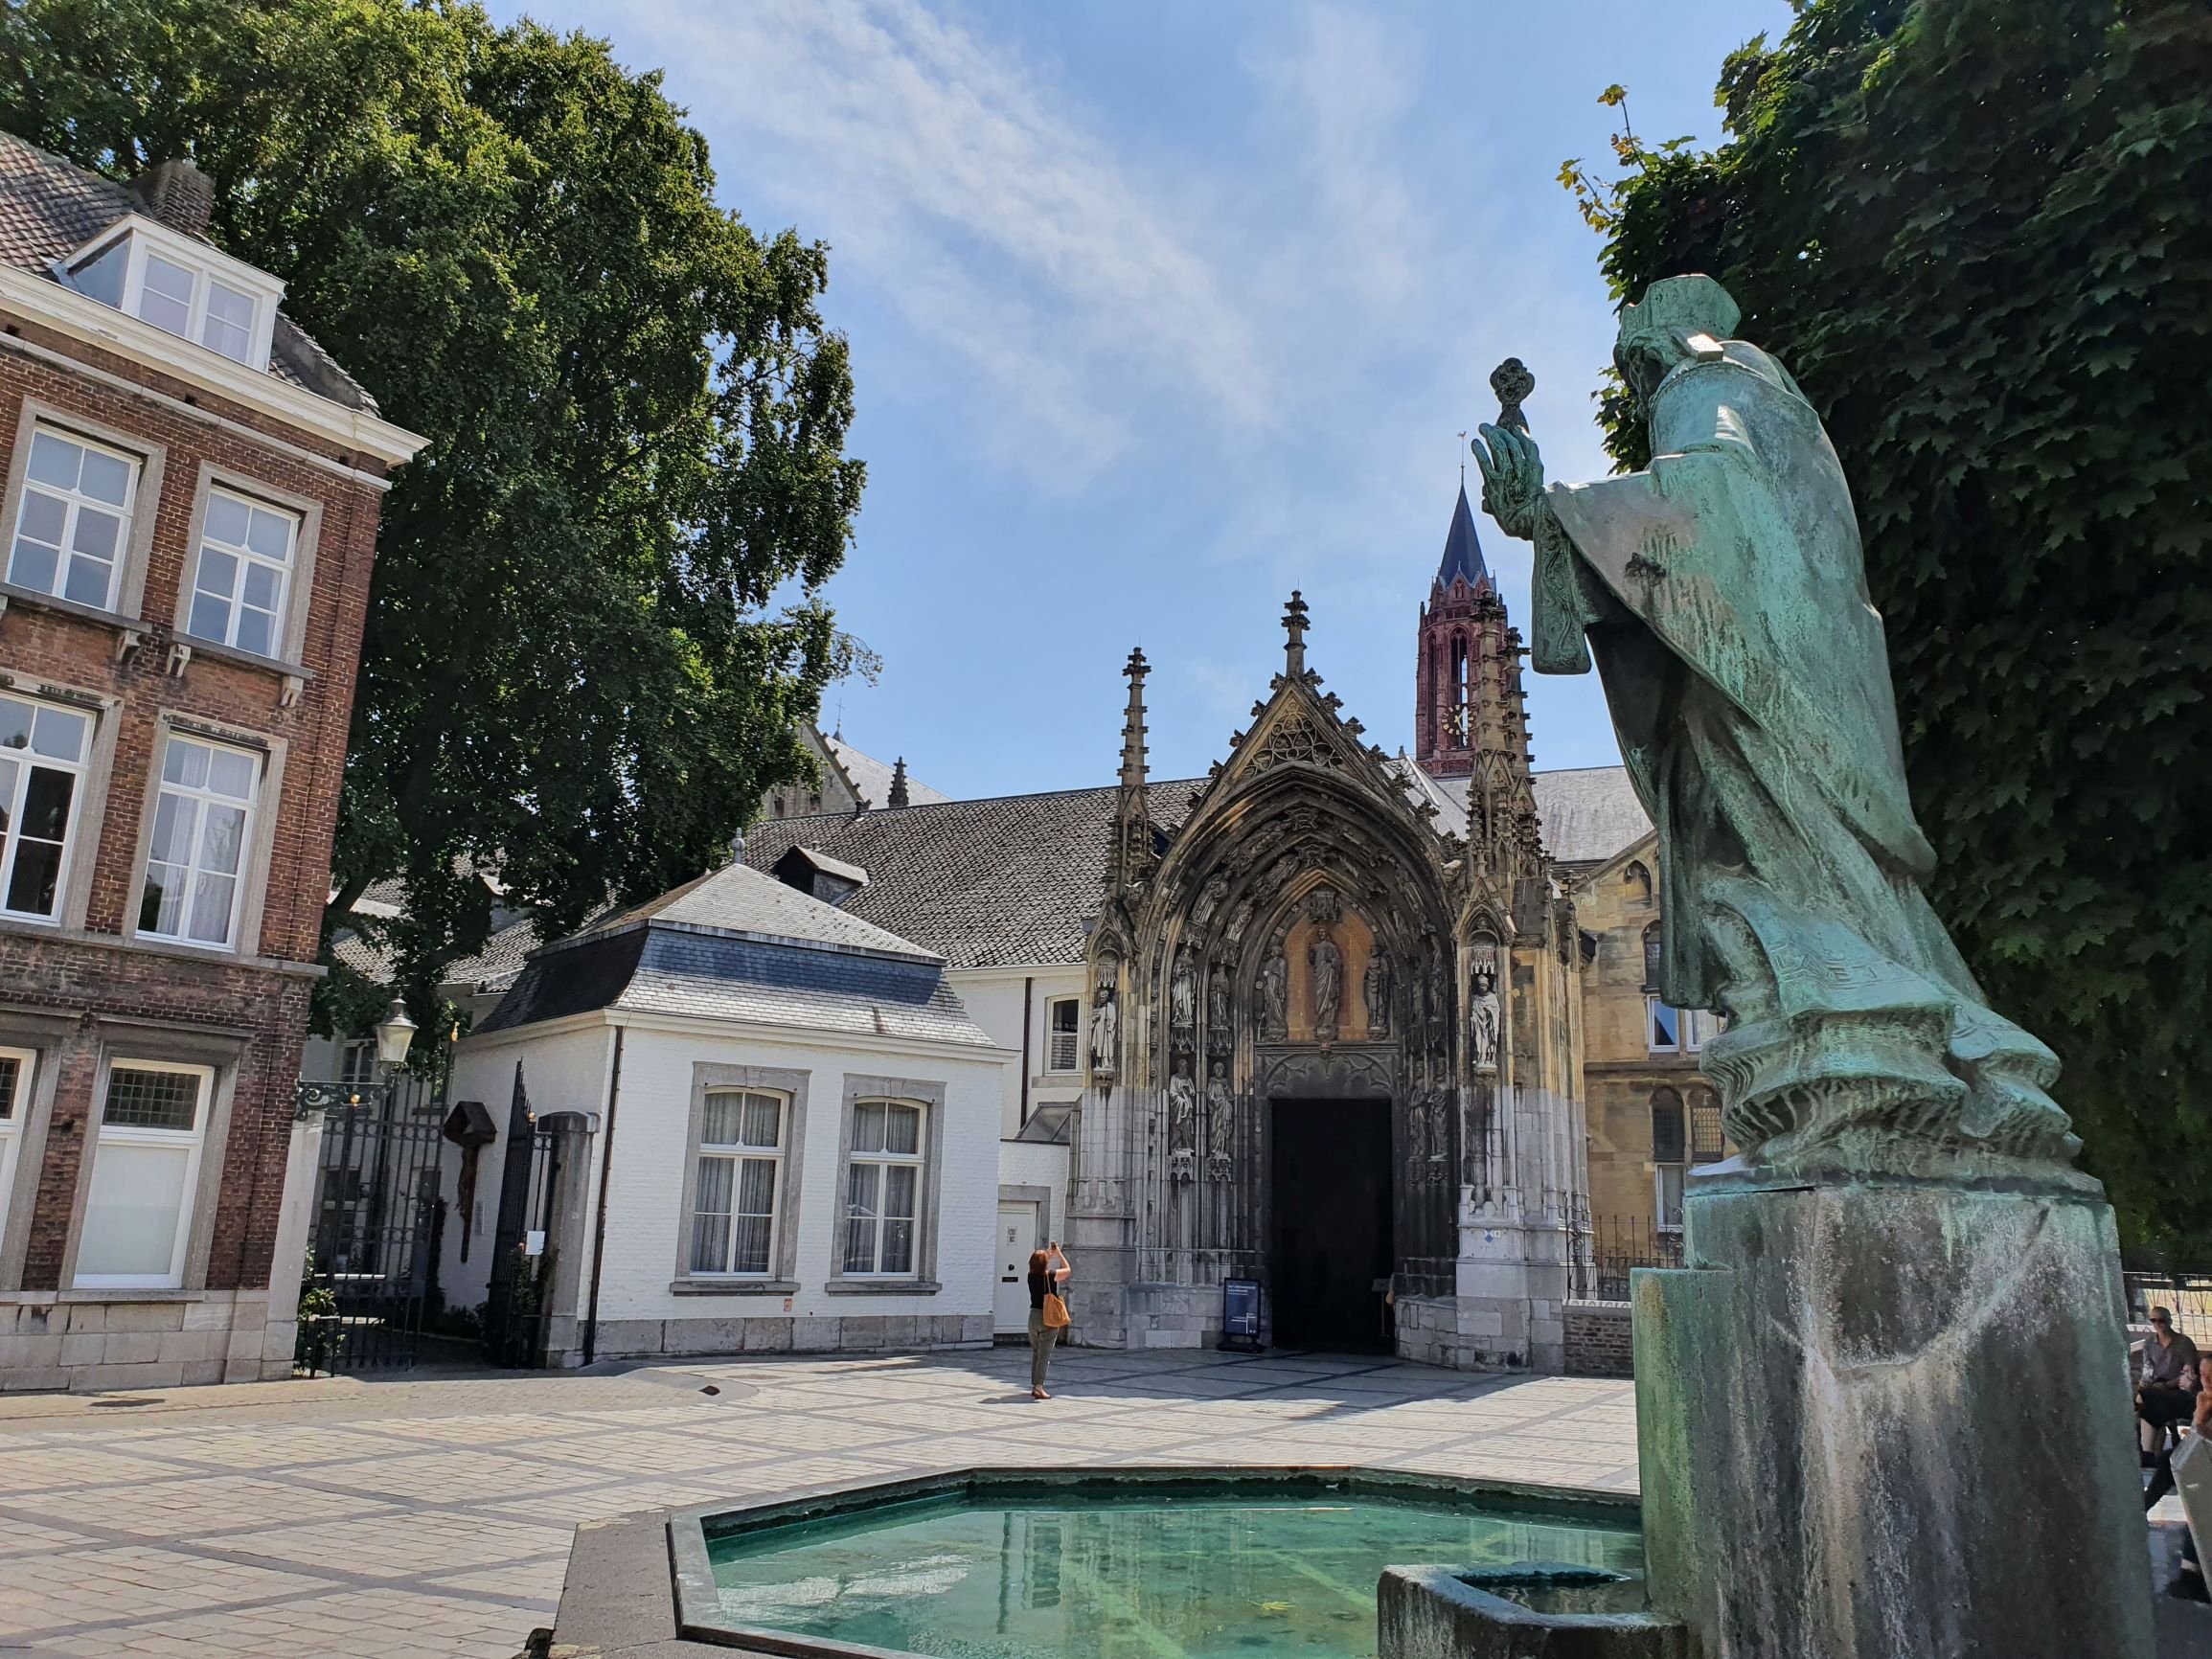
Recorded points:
1028,985
599,1219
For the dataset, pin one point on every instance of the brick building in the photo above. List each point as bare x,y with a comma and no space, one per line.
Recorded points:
190,500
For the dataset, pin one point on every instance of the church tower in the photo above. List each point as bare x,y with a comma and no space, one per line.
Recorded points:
1467,696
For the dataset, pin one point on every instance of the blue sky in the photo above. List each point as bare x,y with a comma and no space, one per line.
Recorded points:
1160,311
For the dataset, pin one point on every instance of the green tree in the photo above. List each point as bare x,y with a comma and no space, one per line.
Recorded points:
1980,235
596,609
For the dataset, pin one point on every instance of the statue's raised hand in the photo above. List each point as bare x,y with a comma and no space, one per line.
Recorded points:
1511,479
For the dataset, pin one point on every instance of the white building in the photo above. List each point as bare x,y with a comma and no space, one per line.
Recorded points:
732,1118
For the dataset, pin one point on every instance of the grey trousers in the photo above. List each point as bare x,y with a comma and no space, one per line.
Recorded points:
1041,1338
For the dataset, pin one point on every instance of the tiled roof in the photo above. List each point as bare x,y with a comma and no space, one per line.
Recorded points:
999,881
495,966
50,207
872,778
741,900
1589,812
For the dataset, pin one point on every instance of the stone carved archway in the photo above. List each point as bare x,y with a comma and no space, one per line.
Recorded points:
1296,938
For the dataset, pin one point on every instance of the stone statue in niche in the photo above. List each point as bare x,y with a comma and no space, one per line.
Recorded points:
1439,998
1220,1118
1723,592
1183,992
1239,919
1325,965
1484,1016
1218,999
1104,1023
1182,1111
1276,997
1210,898
1377,990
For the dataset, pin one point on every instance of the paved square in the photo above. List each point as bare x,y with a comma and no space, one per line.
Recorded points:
434,1513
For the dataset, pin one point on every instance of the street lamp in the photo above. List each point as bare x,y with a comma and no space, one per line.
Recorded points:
394,1033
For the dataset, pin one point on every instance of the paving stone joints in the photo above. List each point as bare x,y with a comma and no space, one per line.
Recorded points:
433,1516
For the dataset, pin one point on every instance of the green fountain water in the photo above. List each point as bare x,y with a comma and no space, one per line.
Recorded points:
1153,1576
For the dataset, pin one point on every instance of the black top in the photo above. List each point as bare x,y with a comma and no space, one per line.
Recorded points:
1041,1281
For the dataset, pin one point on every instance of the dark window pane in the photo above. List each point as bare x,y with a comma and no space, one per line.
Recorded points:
10,1076
46,804
1667,1137
36,876
146,1100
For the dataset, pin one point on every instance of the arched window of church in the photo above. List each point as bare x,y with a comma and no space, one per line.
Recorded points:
1653,956
1459,686
1638,876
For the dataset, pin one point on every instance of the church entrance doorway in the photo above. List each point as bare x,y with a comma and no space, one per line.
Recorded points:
1329,1238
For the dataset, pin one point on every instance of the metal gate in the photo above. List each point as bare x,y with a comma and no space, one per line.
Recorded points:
375,1225
524,1251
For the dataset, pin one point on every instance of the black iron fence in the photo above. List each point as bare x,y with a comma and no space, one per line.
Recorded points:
373,1268
1620,1244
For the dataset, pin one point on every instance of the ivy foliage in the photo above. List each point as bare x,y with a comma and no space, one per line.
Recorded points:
584,658
1981,234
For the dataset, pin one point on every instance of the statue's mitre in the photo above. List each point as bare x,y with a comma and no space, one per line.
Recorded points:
1674,309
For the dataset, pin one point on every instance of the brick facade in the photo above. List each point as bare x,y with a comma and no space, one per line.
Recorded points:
1600,1339
87,989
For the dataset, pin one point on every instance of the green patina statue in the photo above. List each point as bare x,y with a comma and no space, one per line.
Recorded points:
1723,595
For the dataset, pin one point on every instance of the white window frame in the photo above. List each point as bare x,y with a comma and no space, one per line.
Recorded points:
738,1155
883,1162
1666,1218
201,797
247,558
1694,1028
26,760
73,502
1056,1059
192,1141
11,1124
149,238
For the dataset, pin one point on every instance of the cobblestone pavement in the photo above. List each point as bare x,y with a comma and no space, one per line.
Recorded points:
433,1516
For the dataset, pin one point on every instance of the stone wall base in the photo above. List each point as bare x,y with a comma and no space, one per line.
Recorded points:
84,1342
777,1334
1891,1418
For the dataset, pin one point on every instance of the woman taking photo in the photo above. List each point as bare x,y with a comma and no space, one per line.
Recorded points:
1048,1272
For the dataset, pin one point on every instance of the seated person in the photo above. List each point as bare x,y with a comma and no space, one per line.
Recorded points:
2167,1392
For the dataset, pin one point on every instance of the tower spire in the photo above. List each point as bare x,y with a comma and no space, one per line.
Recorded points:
1295,616
1461,549
1131,861
899,796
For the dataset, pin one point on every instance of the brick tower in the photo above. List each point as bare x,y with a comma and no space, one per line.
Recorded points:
1467,697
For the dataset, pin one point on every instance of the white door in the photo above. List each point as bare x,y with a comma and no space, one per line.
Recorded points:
1010,1296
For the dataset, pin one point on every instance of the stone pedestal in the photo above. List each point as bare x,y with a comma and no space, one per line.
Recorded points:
1891,1421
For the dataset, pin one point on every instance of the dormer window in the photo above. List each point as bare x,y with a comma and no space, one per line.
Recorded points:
183,287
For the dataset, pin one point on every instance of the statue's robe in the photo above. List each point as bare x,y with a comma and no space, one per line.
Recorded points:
1723,597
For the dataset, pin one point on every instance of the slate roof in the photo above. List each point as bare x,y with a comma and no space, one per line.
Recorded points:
738,945
498,965
1589,813
872,778
1002,881
50,207
745,900
1461,549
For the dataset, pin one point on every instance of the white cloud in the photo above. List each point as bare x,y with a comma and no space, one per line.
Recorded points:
951,179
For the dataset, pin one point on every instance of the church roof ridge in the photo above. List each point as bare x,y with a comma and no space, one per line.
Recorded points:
1462,548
